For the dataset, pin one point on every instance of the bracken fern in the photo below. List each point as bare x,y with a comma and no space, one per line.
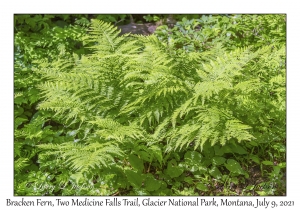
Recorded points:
132,90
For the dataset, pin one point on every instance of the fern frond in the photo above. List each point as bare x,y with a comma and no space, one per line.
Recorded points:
81,157
235,129
110,129
105,35
246,87
180,111
20,163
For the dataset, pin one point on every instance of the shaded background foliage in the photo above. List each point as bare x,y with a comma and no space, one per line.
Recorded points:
42,41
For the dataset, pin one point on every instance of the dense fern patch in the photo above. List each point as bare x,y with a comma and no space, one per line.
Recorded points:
145,115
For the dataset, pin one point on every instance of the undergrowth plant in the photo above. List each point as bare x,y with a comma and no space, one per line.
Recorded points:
38,38
201,34
140,116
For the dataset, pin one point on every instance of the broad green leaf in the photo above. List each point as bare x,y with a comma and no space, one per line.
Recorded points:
250,187
276,170
19,121
192,157
219,151
136,162
188,180
202,187
215,172
255,158
18,111
267,163
134,178
144,155
173,170
192,160
140,192
234,167
218,160
253,143
238,149
202,169
151,183
229,148
20,99
192,168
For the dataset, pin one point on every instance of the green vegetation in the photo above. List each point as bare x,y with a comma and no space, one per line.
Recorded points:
195,109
